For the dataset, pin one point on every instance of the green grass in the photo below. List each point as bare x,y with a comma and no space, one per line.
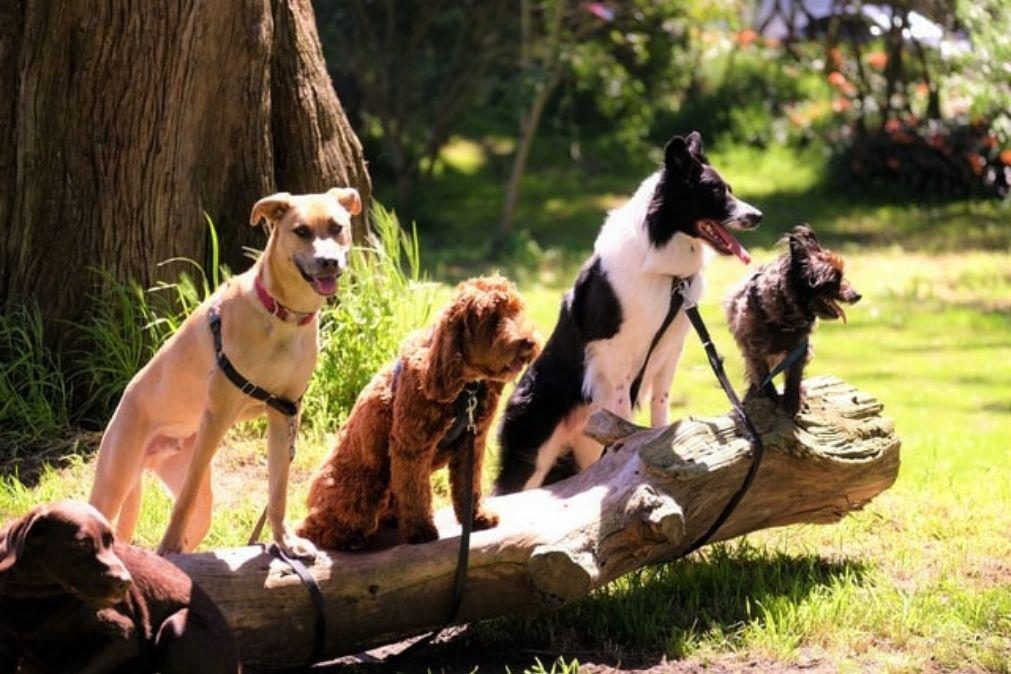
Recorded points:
919,580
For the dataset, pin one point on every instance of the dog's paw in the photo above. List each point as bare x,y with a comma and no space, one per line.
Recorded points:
424,532
296,546
485,518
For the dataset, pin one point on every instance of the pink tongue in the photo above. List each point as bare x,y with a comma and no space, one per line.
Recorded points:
325,285
733,244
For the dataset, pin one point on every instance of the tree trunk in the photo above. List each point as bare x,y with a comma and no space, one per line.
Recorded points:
124,122
645,502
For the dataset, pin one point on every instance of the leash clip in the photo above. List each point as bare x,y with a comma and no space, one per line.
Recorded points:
471,411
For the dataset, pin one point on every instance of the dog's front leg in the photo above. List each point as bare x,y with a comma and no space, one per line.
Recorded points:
411,453
281,432
223,407
484,517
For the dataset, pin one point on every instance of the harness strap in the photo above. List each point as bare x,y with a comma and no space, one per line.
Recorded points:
758,449
677,297
282,405
798,352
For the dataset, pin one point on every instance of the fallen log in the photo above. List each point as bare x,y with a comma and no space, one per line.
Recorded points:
652,494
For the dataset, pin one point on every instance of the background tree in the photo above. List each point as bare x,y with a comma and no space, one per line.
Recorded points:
414,67
124,124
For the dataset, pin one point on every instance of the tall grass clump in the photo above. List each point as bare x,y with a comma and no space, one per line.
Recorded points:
129,324
34,411
382,298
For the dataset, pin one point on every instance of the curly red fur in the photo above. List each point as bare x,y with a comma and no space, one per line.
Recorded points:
390,444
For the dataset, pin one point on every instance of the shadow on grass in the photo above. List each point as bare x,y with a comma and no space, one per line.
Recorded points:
649,615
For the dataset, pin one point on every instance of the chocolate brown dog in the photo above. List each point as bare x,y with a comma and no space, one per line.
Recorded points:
74,600
772,314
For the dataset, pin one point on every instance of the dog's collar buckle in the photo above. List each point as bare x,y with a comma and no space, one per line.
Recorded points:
277,309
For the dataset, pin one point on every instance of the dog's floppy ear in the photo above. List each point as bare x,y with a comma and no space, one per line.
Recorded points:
12,542
347,197
443,379
678,157
271,208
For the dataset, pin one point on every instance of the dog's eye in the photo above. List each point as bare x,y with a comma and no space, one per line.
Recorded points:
335,229
303,232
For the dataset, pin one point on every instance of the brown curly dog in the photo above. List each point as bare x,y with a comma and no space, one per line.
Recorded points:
396,435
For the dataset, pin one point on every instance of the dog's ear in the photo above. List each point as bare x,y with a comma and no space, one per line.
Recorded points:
443,378
799,251
13,541
271,208
678,157
347,197
694,142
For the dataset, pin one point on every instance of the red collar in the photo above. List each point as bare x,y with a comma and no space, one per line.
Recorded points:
278,309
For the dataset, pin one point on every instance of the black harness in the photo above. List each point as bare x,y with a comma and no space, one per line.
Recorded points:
679,287
283,405
288,408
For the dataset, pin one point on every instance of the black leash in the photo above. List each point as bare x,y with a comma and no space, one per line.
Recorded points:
758,449
678,288
467,406
290,410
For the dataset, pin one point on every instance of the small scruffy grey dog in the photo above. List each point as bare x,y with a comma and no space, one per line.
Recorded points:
772,313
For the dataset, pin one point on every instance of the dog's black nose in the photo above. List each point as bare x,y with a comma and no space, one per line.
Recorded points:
856,297
329,265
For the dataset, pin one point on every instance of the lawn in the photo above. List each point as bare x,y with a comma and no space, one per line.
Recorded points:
918,581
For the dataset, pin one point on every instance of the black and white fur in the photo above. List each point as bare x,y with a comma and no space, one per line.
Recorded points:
612,312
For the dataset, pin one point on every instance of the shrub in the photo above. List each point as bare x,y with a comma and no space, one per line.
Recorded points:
384,298
934,159
33,396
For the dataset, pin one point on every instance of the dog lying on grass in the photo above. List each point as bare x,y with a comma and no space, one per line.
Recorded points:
176,410
396,435
772,313
73,599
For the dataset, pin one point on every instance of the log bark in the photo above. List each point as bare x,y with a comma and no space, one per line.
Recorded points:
645,502
123,123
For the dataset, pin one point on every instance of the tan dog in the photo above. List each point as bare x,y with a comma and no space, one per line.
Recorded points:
176,410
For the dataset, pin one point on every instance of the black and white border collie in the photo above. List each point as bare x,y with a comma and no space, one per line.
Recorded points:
610,315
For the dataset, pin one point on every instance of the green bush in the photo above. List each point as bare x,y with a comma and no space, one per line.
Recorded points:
33,395
384,298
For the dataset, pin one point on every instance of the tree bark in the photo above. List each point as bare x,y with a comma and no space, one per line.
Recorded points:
124,122
645,502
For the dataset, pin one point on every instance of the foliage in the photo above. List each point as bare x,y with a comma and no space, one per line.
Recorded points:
384,299
985,72
33,393
929,159
749,91
409,70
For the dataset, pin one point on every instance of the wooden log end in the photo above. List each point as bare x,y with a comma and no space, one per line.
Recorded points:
558,575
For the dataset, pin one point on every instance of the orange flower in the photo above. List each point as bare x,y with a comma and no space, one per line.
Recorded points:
841,104
746,37
1005,157
978,163
877,60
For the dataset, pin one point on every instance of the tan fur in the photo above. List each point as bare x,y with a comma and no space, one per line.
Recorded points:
381,465
176,410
